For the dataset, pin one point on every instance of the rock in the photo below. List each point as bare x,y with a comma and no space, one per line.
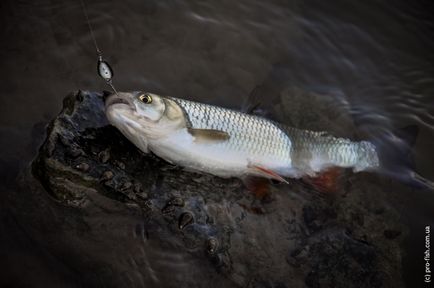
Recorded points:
104,156
120,164
211,246
84,167
391,234
148,223
177,201
126,185
107,175
185,219
168,209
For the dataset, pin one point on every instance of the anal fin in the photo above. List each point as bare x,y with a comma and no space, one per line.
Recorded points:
327,181
260,187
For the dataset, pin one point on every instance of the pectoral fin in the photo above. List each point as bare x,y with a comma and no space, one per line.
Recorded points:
208,135
267,173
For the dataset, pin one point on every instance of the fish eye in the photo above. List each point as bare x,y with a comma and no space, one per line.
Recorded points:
145,98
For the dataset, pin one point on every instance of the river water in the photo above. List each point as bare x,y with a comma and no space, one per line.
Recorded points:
375,57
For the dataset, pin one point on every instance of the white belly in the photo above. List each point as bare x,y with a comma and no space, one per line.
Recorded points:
214,158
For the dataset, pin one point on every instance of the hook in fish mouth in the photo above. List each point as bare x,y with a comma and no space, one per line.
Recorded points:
118,100
114,98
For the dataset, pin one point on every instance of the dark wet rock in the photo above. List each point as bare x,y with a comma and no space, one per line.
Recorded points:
346,256
185,219
119,164
137,187
142,195
74,152
104,156
126,186
119,225
168,209
211,246
107,175
391,234
84,167
177,201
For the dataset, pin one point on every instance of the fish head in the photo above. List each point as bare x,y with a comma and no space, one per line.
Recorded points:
150,106
147,106
142,116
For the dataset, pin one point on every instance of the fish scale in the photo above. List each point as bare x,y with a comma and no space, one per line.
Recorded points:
262,137
248,133
310,146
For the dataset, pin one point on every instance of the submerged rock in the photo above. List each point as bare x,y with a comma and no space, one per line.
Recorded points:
149,223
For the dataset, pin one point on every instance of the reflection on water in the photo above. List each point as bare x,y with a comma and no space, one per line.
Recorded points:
372,60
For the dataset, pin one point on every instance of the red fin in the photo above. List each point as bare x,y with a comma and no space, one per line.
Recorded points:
260,187
327,181
268,173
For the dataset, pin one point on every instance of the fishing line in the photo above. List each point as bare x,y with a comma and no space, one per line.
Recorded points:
103,68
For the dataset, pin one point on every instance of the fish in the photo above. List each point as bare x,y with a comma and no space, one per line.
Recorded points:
228,143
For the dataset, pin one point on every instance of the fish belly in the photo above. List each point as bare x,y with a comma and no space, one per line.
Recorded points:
220,159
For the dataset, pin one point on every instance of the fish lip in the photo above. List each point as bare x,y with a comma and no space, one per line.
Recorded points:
119,101
116,99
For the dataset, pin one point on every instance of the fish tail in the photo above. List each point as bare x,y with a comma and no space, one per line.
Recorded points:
396,157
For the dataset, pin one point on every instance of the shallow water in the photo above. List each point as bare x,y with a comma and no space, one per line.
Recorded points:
373,60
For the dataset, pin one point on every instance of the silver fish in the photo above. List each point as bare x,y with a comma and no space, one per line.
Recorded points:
229,143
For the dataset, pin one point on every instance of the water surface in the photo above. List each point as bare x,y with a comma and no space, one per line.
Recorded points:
373,59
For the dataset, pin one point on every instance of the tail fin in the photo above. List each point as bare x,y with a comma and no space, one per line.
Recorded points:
397,159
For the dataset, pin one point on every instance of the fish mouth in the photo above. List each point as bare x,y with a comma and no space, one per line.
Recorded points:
117,99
